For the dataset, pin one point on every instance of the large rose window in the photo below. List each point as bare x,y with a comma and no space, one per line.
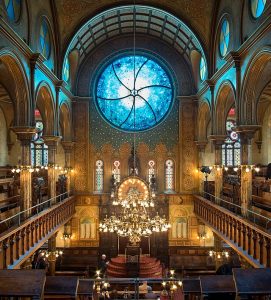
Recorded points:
134,93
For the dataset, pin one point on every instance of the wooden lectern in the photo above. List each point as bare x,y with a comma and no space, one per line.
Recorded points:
132,259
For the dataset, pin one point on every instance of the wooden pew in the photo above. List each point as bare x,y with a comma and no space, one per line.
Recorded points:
22,283
61,287
218,286
191,288
254,282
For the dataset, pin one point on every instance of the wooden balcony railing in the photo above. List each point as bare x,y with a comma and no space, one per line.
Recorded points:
248,239
19,242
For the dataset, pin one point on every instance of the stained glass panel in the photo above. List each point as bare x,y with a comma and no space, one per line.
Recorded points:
203,69
13,9
169,175
231,151
151,170
99,176
224,37
116,170
45,39
257,7
134,93
66,70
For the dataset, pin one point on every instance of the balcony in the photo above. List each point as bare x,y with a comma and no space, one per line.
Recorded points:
29,229
244,235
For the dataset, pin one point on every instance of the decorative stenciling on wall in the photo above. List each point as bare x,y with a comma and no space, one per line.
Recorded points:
101,132
187,145
81,146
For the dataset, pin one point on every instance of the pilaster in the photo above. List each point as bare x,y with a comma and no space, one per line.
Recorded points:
51,142
24,135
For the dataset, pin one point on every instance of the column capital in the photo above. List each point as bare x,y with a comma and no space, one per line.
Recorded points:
24,133
51,140
67,146
247,132
201,145
217,140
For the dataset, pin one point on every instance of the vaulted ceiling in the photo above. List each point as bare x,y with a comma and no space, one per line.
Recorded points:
197,14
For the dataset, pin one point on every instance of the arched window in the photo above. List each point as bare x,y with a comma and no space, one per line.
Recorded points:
224,37
257,7
203,68
169,175
116,171
231,150
66,70
151,170
13,9
45,39
39,151
99,176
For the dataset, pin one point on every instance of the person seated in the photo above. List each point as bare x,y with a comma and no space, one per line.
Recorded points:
150,294
143,288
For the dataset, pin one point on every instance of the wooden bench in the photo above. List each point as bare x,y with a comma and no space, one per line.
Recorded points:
61,287
22,283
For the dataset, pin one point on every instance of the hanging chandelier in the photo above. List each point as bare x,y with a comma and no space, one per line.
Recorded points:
135,218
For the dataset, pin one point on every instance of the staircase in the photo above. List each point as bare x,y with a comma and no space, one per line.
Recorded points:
149,267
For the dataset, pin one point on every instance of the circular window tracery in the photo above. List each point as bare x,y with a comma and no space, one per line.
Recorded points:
45,39
13,8
134,93
257,7
224,37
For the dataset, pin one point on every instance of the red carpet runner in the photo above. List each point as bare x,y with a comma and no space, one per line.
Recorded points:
150,267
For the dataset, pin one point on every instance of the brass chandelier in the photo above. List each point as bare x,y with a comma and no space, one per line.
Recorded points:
134,220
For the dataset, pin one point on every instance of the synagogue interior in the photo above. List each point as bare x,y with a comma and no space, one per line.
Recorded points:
135,149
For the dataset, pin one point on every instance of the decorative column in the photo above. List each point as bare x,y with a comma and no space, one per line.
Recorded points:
201,145
246,134
52,254
51,142
24,135
218,141
68,147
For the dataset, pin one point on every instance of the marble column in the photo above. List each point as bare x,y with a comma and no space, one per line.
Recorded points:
68,147
24,135
51,142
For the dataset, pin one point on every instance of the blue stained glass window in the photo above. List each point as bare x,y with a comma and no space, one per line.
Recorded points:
45,39
134,93
224,37
202,68
66,70
13,8
257,7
